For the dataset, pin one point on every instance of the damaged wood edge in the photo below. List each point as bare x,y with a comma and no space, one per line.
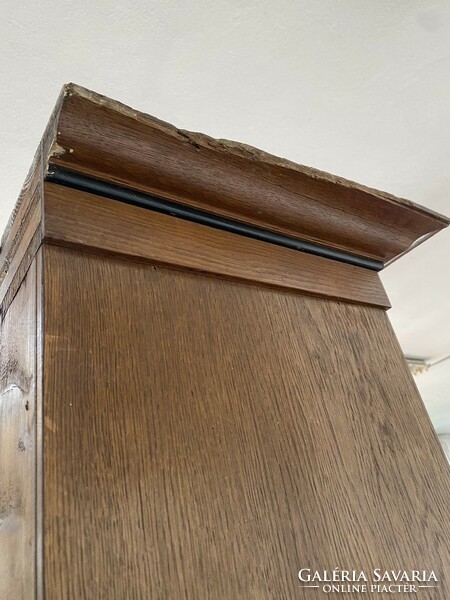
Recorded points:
55,151
104,139
201,140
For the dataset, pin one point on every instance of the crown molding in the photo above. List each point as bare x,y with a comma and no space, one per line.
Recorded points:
105,141
102,138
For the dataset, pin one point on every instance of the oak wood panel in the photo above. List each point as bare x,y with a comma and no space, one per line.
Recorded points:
103,138
205,439
85,220
17,442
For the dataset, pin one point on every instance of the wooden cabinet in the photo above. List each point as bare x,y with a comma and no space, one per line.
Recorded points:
201,393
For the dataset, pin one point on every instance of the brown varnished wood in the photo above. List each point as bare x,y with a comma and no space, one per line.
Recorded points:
21,244
83,220
22,236
205,439
17,444
100,137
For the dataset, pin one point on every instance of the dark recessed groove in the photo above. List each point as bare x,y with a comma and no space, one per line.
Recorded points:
113,191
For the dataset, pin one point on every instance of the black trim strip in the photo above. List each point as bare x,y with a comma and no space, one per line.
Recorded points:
84,183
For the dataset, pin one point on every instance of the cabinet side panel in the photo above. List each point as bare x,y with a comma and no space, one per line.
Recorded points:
17,442
207,439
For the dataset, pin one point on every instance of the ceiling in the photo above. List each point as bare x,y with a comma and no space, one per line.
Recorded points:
359,89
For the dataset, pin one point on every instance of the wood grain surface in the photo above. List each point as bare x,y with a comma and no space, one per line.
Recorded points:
103,138
22,237
80,219
205,439
185,414
17,444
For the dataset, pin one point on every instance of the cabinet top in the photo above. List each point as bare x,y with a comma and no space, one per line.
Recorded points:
99,141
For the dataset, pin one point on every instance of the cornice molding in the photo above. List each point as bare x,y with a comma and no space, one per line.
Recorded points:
102,138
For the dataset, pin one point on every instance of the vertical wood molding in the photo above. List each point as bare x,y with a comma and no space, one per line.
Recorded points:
40,399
